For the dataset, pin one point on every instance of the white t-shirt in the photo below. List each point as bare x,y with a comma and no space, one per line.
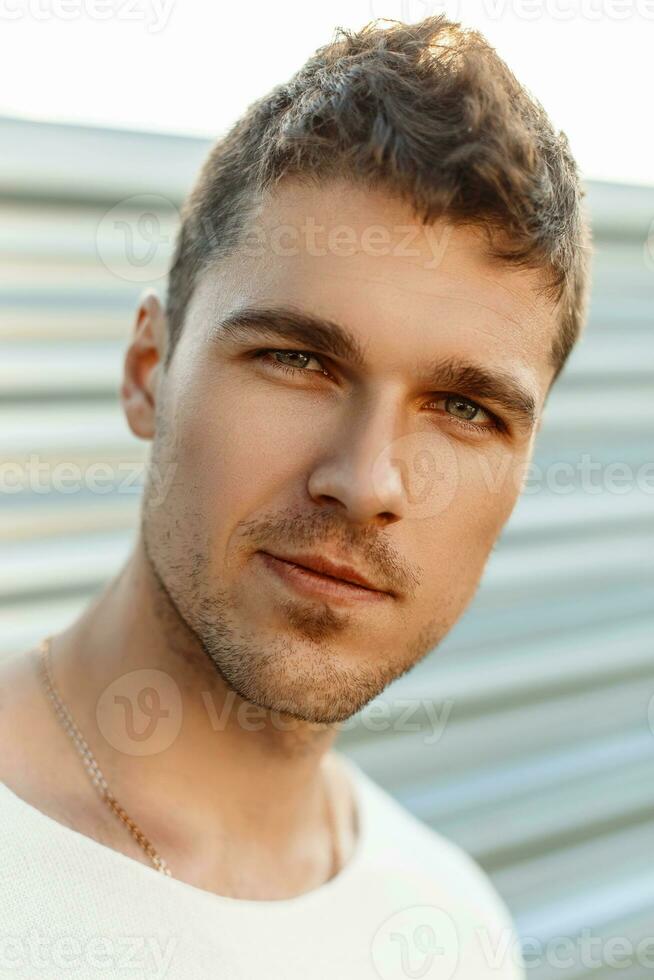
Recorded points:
408,903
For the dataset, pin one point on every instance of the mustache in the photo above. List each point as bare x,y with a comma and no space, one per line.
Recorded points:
324,531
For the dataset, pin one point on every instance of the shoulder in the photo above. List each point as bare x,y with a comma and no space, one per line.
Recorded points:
439,854
459,883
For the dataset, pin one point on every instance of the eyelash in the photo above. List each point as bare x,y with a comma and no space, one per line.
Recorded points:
496,423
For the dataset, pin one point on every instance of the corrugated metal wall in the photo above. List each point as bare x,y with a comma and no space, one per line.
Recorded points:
527,735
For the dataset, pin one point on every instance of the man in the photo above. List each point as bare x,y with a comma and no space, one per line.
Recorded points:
379,274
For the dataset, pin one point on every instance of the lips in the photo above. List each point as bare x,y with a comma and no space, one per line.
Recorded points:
332,569
314,584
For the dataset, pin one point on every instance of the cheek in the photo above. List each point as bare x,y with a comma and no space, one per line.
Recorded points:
490,484
237,452
462,534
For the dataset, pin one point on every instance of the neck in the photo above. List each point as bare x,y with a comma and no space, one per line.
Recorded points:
207,775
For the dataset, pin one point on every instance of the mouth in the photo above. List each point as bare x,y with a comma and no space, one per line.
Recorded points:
319,584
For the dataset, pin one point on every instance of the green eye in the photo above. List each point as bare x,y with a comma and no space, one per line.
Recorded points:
463,411
270,356
469,409
468,413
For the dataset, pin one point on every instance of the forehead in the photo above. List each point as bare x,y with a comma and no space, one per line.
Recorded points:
360,257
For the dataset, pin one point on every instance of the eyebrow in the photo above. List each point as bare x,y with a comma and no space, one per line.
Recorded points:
319,334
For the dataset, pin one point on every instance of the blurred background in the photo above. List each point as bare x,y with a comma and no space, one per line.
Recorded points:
527,736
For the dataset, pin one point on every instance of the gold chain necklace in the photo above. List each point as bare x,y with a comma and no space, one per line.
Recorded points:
100,782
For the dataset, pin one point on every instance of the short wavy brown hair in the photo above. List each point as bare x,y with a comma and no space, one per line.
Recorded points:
430,113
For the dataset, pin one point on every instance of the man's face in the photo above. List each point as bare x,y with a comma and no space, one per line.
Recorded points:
376,457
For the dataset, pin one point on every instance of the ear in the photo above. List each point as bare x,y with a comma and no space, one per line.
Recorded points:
143,366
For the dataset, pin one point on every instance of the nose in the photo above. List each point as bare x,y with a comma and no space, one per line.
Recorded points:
358,471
